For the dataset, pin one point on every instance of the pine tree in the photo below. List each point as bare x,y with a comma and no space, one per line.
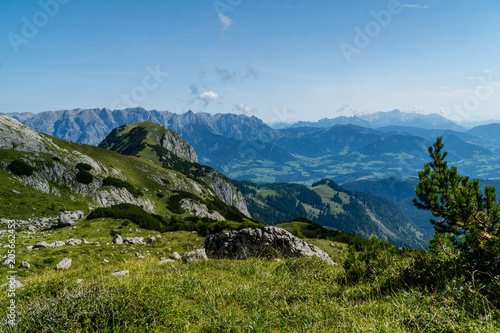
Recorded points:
465,211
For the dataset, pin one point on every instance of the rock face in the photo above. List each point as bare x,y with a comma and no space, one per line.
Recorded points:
200,210
19,137
195,255
270,241
178,146
64,264
68,218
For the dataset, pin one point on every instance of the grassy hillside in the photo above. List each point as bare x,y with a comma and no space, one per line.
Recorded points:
254,295
332,206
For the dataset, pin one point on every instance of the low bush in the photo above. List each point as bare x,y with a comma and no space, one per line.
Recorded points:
84,176
21,168
133,213
111,181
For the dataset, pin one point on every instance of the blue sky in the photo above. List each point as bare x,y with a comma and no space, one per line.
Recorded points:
280,60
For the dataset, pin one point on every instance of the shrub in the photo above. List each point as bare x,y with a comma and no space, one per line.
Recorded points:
84,176
111,181
133,213
21,168
84,166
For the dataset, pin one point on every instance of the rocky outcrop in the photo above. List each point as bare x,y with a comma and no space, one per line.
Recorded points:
227,192
270,241
19,137
115,196
199,209
178,146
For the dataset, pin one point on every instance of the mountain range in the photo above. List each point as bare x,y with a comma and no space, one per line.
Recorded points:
245,148
155,172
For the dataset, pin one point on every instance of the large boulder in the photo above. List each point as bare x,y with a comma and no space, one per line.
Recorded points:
269,241
68,218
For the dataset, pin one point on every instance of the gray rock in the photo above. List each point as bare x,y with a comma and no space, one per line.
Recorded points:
270,241
134,240
26,264
332,245
199,209
105,261
117,239
12,284
64,264
151,240
79,281
41,245
16,192
8,261
57,244
195,255
68,218
120,273
175,256
165,261
28,248
174,143
73,242
86,241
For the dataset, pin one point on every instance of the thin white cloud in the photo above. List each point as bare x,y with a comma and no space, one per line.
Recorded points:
225,21
416,6
241,107
208,96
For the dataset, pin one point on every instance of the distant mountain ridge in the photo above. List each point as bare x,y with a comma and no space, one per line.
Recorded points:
245,148
391,118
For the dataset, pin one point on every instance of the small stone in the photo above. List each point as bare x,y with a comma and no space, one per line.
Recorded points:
86,241
165,261
105,261
117,239
140,256
120,273
79,281
28,249
8,261
26,264
12,284
73,242
175,256
64,264
195,255
16,192
332,245
41,245
57,244
150,240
